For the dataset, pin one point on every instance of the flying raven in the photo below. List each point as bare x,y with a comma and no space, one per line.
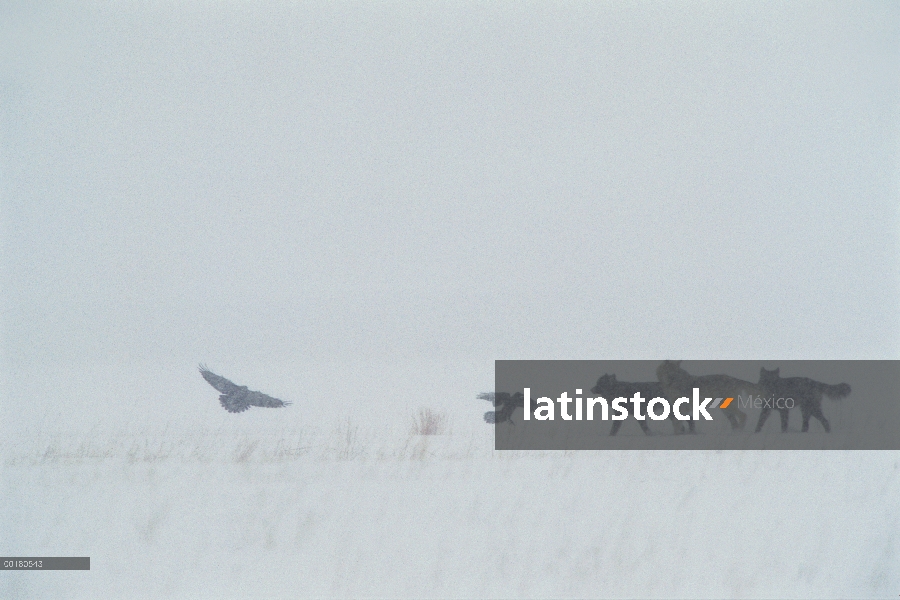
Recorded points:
506,404
237,398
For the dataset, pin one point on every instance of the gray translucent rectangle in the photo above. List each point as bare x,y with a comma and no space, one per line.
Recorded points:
45,563
846,404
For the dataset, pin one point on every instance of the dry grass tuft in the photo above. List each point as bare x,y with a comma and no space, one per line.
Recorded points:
429,422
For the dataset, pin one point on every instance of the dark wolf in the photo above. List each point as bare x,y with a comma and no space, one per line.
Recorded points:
610,388
237,398
678,383
806,393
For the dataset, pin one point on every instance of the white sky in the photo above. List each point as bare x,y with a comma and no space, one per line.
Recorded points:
416,190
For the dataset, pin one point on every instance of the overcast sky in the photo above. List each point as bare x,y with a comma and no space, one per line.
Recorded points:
436,186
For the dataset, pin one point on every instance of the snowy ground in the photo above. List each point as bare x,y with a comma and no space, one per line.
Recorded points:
348,511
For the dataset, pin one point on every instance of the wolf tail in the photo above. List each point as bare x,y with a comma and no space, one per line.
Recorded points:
841,390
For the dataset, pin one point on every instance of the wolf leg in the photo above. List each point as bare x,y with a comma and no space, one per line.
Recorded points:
645,428
762,419
736,417
817,413
807,412
784,420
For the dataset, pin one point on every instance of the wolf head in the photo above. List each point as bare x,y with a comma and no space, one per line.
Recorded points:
670,373
604,383
766,376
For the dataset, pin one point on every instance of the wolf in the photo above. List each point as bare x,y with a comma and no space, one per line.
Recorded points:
807,393
609,387
678,383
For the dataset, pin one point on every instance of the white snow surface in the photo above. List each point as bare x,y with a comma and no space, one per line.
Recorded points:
361,511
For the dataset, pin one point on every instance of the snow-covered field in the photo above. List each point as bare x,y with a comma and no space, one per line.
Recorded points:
351,511
358,207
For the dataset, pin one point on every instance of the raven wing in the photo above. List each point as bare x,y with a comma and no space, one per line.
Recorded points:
219,382
494,399
489,396
260,399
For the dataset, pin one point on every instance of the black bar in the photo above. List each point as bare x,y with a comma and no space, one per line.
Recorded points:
45,563
776,405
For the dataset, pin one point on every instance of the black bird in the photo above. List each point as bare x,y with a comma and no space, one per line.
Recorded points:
506,404
237,398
